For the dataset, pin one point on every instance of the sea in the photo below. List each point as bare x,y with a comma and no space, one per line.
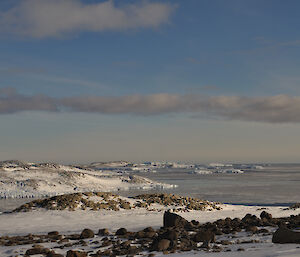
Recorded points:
274,185
277,185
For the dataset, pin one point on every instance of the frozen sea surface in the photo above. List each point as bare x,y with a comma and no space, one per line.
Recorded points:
273,185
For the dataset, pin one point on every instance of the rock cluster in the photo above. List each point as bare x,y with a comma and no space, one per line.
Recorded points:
295,206
109,201
186,203
176,235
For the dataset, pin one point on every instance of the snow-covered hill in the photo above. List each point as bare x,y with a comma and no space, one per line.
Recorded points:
26,180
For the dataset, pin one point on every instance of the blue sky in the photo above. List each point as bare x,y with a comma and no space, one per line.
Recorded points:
167,80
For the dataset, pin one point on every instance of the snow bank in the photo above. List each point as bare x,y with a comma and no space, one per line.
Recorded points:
29,180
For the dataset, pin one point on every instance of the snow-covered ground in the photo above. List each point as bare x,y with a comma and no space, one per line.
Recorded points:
67,222
28,180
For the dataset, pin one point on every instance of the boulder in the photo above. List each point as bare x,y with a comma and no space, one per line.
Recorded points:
173,220
170,235
252,229
121,232
53,254
72,253
162,245
204,236
266,215
37,250
53,233
285,236
87,233
103,232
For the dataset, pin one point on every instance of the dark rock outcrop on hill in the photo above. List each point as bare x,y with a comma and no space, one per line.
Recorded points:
108,201
189,203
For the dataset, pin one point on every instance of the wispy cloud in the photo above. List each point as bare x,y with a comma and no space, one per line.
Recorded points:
12,102
272,109
56,18
14,71
268,45
70,81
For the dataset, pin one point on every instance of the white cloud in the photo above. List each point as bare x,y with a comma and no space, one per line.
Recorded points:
56,18
272,109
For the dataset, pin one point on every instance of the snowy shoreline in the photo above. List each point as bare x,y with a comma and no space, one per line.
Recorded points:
19,180
70,222
29,180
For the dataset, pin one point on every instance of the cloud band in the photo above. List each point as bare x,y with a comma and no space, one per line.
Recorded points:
272,109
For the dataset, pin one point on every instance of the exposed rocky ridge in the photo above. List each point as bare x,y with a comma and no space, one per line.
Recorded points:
109,201
178,201
176,235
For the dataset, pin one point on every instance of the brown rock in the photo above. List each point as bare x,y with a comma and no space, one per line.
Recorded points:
37,250
252,229
170,235
103,232
265,215
53,233
173,220
53,254
204,236
87,233
71,253
285,236
162,245
121,232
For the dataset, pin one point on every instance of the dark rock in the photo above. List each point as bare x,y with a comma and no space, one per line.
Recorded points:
72,253
53,254
149,234
103,232
121,232
148,229
87,233
225,242
195,222
53,233
266,215
73,237
37,250
252,229
295,206
204,236
170,235
251,220
174,220
162,245
262,230
284,236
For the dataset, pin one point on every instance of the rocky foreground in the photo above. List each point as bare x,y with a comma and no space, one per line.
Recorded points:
175,236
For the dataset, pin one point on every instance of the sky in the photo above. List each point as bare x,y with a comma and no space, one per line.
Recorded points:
191,81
